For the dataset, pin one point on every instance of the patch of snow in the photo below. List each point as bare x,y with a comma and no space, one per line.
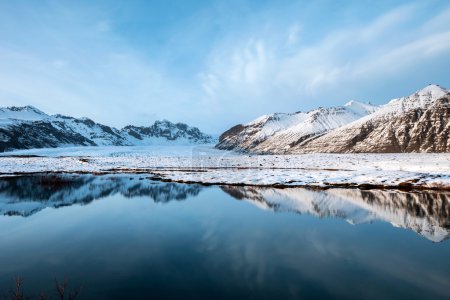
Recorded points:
26,113
208,165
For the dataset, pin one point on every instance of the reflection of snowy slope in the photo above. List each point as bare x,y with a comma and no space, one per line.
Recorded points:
26,195
427,213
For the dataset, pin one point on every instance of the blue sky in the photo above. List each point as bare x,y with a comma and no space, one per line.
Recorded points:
214,64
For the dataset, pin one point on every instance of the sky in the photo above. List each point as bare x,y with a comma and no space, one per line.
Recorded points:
215,64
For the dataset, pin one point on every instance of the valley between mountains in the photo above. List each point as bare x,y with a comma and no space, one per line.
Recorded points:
403,144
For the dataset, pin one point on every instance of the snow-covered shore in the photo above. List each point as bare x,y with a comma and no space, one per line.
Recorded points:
204,164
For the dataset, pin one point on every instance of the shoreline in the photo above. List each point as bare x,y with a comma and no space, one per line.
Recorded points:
155,176
208,166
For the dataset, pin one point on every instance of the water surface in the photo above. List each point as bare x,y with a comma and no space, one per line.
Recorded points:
128,237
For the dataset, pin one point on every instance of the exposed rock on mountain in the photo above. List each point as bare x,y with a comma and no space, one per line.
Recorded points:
417,123
27,127
280,132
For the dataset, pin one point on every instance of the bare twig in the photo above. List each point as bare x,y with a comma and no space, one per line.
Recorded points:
75,293
17,293
61,288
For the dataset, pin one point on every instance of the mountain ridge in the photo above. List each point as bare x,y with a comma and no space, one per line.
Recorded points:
384,128
419,122
28,127
269,133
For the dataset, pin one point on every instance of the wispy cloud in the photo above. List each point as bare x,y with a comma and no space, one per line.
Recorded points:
261,71
293,35
218,64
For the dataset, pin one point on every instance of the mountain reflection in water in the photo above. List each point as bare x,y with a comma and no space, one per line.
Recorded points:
26,195
424,212
130,237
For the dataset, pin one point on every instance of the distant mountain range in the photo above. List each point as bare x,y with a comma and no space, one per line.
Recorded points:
416,123
28,127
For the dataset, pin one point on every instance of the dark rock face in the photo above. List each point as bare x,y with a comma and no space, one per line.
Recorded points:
228,139
431,130
230,132
38,134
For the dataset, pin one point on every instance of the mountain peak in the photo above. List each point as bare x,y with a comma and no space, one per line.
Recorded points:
433,91
27,108
421,98
433,87
28,112
349,103
360,107
358,103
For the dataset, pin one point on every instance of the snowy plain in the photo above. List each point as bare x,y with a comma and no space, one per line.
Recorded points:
205,164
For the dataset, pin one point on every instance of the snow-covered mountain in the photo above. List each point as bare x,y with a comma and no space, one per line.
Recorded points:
165,131
426,213
280,132
416,123
28,127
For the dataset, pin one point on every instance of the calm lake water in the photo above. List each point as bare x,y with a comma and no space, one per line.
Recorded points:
127,237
